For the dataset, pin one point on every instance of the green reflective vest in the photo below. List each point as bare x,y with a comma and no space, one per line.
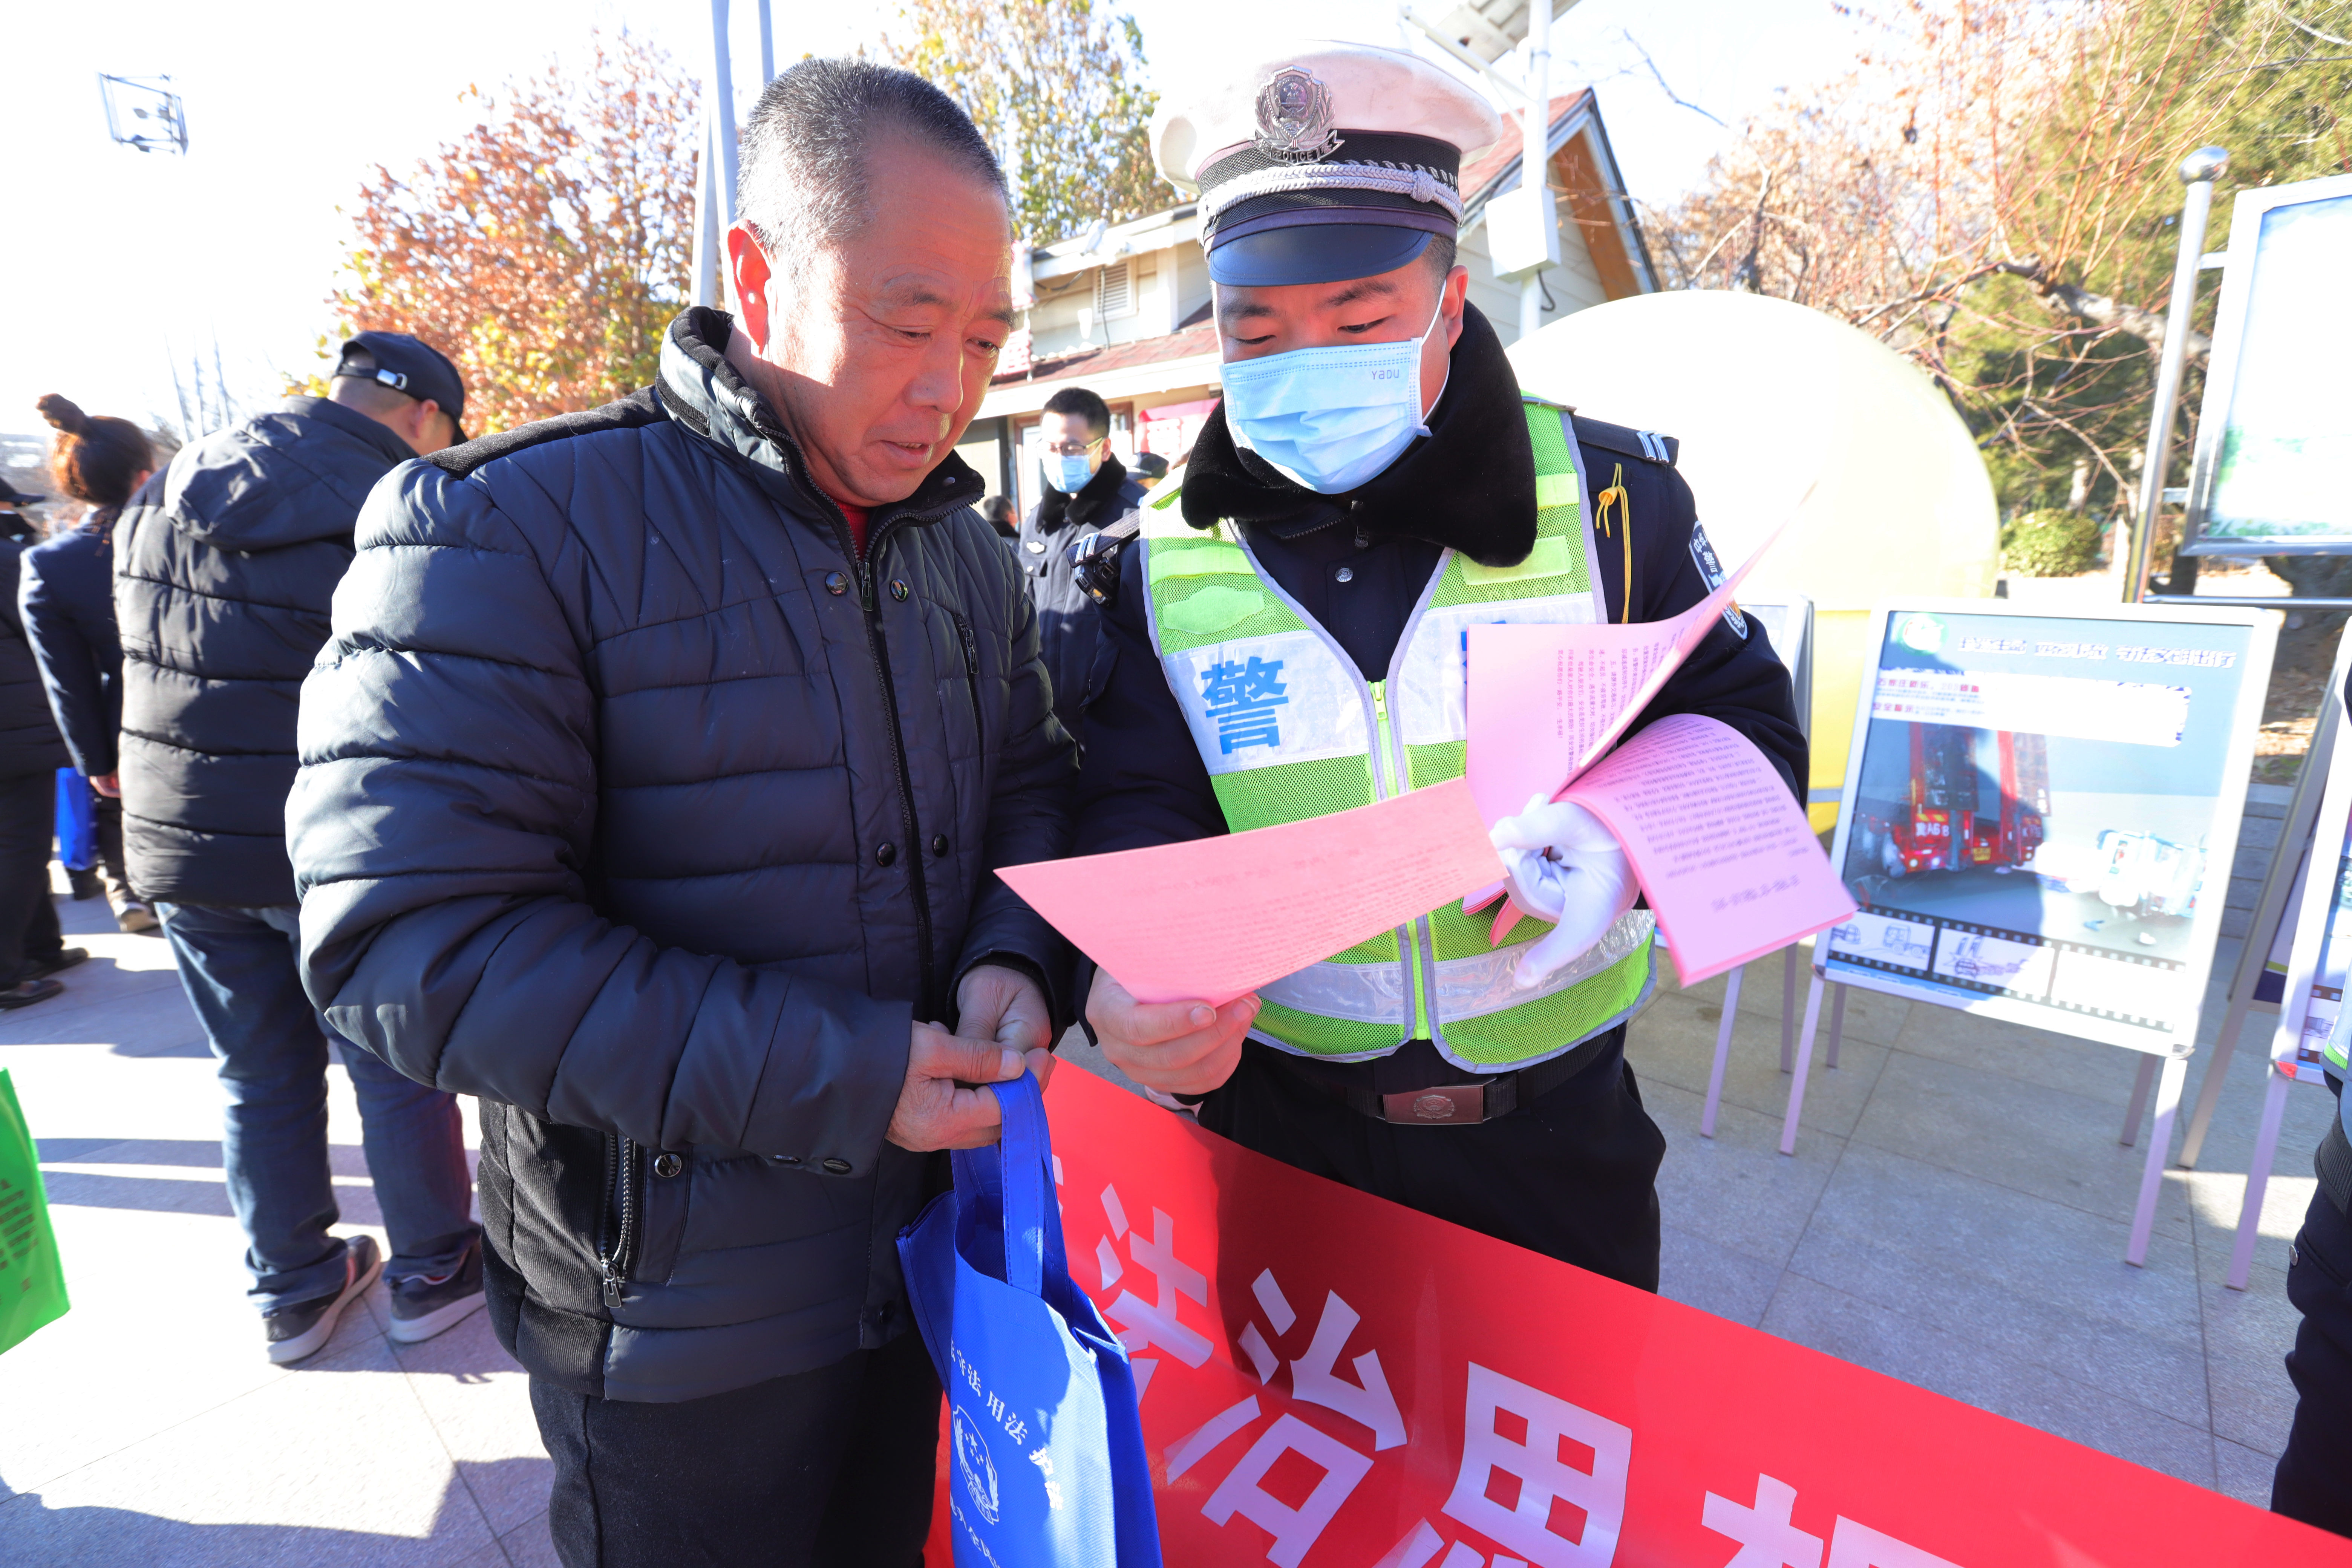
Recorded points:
1290,728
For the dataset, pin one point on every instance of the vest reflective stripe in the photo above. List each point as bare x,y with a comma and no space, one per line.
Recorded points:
1289,729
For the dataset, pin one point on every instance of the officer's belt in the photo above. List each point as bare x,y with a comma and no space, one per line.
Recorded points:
1463,1104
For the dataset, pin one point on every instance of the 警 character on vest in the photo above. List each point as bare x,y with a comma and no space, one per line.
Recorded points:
1285,638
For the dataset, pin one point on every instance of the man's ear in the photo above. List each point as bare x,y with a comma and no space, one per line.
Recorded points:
1450,301
749,271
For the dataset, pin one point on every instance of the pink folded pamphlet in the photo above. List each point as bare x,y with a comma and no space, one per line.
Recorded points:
1217,918
1724,853
1545,701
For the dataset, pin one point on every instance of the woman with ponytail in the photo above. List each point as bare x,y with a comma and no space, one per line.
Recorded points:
67,606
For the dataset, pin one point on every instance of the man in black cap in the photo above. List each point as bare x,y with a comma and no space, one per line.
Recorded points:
1086,489
1287,639
222,589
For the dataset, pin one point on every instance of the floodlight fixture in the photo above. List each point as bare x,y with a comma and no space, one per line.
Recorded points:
143,112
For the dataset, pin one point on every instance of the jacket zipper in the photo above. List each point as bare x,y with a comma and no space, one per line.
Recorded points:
897,759
613,1262
862,566
971,678
1388,756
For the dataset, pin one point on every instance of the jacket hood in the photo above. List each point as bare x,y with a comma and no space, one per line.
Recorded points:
291,477
708,396
1468,485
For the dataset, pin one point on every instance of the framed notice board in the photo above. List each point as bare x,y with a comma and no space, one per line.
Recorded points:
2274,439
2042,807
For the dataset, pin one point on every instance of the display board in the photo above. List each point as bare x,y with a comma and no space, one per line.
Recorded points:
1328,1379
2274,439
2041,811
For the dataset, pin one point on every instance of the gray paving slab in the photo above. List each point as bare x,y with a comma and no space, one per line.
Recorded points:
1676,1041
2032,1139
1810,1314
2039,1283
1737,1189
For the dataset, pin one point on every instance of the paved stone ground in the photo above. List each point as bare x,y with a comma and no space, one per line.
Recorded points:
1954,1215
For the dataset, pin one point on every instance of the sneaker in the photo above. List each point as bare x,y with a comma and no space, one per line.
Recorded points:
425,1304
25,993
84,883
133,916
65,958
300,1330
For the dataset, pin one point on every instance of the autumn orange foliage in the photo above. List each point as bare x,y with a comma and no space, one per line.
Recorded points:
546,248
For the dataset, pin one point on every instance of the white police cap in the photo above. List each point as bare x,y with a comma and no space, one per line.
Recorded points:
1323,160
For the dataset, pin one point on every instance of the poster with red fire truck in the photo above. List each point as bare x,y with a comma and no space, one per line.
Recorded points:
2040,809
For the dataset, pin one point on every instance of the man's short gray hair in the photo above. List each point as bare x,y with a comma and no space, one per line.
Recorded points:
801,180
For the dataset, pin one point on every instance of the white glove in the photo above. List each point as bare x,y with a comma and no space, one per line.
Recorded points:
1562,865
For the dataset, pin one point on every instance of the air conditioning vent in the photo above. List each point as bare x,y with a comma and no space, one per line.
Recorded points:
1114,292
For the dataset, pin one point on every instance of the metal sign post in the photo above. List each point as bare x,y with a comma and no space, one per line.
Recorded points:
2198,172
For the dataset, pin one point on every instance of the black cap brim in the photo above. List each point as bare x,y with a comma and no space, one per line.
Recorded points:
1313,253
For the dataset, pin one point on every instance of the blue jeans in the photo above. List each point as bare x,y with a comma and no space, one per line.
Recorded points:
241,972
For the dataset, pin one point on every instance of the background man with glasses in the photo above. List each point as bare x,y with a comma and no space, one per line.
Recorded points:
1086,489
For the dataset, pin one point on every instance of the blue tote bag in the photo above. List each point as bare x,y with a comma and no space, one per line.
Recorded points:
1045,1446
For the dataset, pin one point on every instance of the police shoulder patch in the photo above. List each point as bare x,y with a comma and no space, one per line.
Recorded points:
1710,566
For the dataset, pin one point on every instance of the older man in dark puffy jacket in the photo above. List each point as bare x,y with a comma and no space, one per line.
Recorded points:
221,592
652,789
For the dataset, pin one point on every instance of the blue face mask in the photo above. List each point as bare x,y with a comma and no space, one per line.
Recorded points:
1329,418
1069,475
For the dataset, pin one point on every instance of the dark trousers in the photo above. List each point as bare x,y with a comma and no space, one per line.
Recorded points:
2313,1482
1573,1174
830,1469
242,971
28,921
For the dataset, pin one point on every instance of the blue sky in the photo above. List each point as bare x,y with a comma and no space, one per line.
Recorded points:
121,261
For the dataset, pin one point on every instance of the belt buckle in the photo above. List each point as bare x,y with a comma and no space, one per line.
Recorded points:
1439,1105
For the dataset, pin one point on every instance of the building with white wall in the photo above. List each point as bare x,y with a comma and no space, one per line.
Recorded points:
1124,307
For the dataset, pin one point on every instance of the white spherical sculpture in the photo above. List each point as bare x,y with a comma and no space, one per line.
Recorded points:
1769,398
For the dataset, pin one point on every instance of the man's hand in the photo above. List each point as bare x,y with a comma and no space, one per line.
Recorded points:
938,1108
107,785
1177,1047
1004,1005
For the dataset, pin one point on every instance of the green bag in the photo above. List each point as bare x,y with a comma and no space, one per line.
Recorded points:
32,1280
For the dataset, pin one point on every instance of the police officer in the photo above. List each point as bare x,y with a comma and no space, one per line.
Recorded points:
1286,639
1086,489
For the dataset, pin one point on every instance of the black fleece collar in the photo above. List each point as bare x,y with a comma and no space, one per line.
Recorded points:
1470,484
1096,500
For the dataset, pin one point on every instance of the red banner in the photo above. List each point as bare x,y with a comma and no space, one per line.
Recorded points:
1330,1381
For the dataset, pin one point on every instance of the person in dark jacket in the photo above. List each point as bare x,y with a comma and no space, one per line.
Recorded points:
32,943
1373,484
1086,489
997,512
652,788
222,585
67,601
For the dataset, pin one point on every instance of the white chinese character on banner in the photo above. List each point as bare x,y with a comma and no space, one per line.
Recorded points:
1767,1539
1855,1545
1367,1401
1143,1324
1508,1486
1294,1528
